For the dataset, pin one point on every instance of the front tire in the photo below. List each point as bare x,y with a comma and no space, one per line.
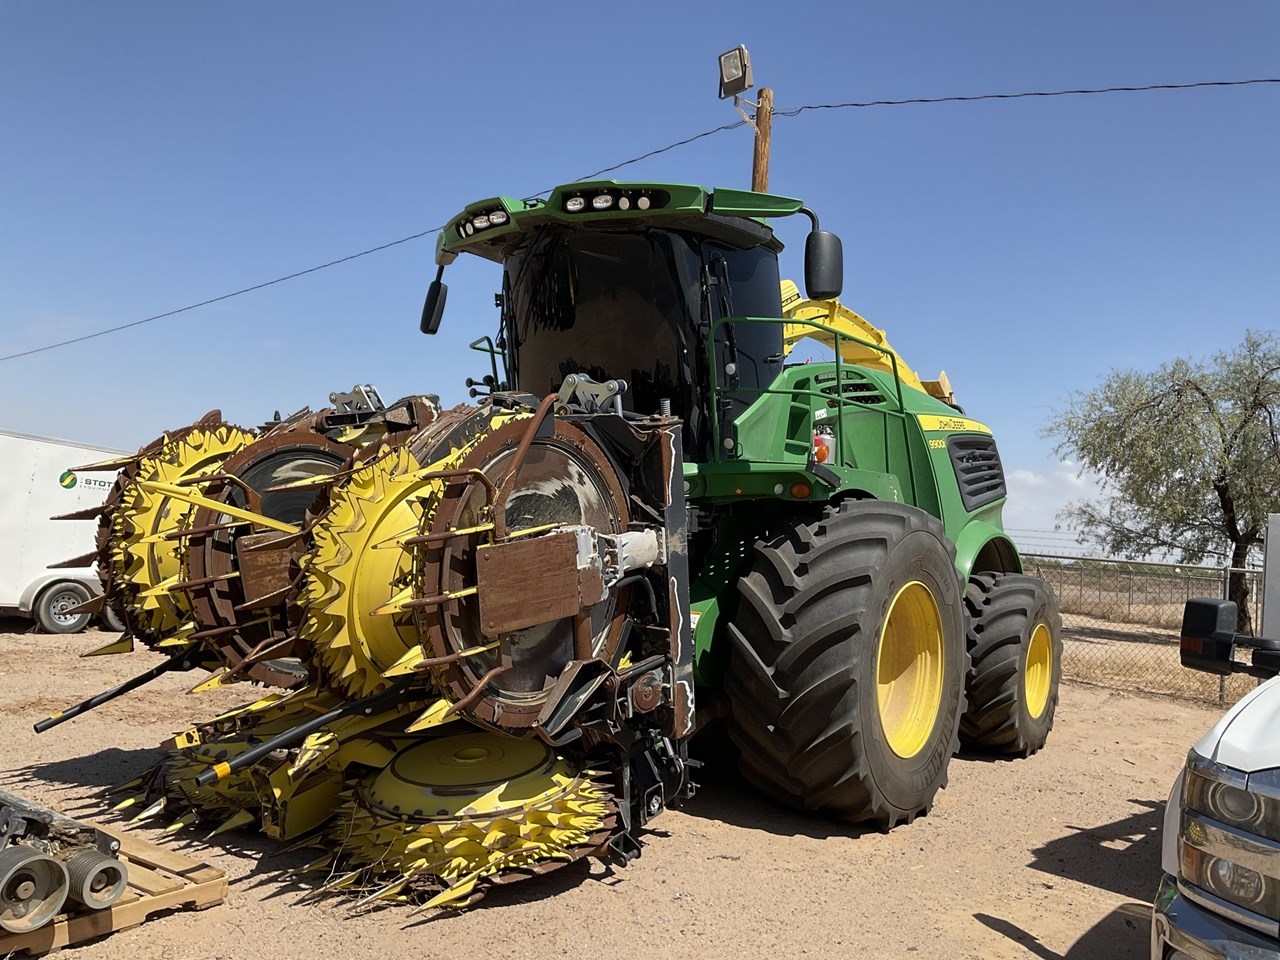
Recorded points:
847,663
51,609
1015,650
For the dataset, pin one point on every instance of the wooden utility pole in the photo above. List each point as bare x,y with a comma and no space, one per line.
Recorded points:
764,131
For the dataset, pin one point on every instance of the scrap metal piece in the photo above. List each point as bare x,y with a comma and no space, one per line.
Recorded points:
44,858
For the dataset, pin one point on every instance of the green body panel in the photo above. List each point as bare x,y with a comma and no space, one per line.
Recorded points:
888,438
881,450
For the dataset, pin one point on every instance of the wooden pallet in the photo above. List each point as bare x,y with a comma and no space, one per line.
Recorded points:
159,879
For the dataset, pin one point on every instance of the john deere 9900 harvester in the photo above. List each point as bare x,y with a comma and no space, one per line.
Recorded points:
852,601
514,617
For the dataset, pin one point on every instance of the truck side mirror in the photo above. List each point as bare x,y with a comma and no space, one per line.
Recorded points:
1209,642
1208,636
433,308
823,265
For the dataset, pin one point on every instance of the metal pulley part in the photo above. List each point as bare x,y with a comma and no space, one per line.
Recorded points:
513,565
33,888
448,816
244,581
97,880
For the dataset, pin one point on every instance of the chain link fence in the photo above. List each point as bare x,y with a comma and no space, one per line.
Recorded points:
1120,622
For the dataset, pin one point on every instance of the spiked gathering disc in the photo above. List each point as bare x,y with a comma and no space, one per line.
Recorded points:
108,536
355,566
357,575
142,564
450,815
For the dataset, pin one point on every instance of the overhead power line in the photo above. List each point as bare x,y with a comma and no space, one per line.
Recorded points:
796,111
225,296
789,112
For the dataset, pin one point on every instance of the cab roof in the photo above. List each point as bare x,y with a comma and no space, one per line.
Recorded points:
493,228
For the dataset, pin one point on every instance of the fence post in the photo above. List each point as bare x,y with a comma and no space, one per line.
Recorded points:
1226,595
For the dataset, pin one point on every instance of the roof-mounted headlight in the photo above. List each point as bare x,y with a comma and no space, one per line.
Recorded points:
498,217
603,202
575,204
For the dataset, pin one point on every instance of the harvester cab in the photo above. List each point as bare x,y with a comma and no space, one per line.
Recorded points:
631,284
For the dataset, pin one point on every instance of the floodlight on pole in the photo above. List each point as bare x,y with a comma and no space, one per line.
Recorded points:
735,72
735,80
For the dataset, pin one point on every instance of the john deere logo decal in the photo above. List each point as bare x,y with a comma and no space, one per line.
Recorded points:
68,479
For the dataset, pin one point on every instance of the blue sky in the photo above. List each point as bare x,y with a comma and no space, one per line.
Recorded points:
155,154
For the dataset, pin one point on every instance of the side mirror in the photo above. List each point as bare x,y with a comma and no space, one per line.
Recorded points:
433,308
823,265
1207,640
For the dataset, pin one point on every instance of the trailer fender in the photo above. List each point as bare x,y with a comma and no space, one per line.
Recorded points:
27,602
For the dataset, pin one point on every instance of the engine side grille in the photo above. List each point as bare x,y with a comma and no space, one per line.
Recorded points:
852,386
978,470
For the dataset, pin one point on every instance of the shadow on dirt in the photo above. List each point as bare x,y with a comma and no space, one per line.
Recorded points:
725,796
1122,856
93,771
1123,934
1111,633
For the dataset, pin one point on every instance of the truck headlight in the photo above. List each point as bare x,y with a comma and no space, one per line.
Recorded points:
1230,881
1226,795
1227,838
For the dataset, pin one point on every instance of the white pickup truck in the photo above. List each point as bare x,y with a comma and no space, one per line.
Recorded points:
36,484
1219,898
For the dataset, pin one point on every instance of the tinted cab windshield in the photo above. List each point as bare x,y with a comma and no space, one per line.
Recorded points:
636,306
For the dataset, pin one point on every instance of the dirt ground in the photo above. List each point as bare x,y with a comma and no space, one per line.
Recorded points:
1051,857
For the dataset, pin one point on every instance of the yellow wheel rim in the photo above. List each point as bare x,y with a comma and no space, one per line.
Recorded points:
909,669
1039,670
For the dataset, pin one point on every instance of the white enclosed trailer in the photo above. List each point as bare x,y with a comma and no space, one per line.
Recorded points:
36,484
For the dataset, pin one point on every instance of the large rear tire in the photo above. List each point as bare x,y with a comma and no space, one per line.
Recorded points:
847,663
1014,638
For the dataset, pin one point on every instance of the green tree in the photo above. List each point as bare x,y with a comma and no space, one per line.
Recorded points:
1189,457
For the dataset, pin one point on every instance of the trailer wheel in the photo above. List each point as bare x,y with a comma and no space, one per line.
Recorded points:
847,663
1015,650
52,606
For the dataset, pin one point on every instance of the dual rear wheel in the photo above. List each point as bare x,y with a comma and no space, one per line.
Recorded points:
851,648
